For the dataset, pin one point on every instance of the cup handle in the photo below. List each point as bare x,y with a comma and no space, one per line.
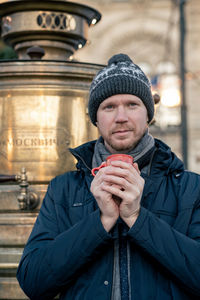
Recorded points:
94,170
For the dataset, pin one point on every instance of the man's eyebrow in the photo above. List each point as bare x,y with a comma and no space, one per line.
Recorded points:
133,100
108,103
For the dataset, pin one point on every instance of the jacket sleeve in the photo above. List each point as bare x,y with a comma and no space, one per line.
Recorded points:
51,260
178,252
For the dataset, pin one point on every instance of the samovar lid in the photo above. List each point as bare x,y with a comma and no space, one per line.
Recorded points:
59,27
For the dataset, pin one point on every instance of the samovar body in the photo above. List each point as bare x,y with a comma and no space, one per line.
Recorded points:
43,112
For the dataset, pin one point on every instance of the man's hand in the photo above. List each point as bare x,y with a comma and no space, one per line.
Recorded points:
131,193
122,180
108,207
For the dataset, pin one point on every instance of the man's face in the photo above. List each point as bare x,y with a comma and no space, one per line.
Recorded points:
122,122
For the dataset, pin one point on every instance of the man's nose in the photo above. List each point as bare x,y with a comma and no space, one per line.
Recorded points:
121,115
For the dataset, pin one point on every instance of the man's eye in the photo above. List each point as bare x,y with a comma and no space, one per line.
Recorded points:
108,107
132,104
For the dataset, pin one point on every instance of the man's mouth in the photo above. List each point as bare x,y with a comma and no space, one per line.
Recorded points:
122,132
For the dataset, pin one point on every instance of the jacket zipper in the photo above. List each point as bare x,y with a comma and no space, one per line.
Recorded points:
78,156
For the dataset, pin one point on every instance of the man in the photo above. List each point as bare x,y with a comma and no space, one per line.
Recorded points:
85,244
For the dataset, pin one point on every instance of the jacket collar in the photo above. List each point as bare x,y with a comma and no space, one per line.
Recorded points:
163,162
84,154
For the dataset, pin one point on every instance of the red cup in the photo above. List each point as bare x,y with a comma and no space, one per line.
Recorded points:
122,157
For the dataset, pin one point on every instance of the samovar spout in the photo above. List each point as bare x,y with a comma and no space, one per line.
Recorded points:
27,200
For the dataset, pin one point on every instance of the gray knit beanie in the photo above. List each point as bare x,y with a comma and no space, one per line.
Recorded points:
120,76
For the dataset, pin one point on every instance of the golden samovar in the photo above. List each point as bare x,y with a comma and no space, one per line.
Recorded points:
43,111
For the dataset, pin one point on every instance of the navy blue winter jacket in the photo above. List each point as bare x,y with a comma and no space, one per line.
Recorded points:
69,252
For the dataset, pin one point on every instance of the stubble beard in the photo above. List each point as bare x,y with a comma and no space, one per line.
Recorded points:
120,148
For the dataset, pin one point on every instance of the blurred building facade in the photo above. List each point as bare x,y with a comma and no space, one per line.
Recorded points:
149,32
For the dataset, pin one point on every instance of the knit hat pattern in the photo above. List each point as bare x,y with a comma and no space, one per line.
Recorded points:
120,76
